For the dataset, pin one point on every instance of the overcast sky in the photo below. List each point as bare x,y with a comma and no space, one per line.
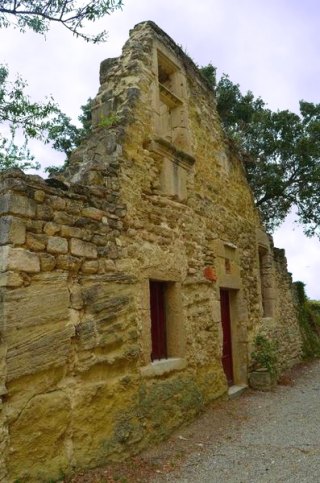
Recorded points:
270,47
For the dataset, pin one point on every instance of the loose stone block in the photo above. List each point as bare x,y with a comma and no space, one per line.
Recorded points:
57,244
17,205
12,231
18,259
83,249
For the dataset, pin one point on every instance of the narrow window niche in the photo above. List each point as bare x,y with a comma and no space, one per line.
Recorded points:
172,111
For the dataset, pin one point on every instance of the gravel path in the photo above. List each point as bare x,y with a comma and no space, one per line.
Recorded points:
261,437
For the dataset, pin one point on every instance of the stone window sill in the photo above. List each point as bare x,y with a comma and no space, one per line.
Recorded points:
163,366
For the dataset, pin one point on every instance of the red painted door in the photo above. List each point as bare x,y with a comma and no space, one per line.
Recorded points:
158,320
226,328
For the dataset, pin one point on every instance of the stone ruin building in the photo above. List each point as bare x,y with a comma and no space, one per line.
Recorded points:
119,279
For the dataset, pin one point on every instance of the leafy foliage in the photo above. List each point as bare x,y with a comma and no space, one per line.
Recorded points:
38,14
265,355
309,320
23,120
109,121
281,151
65,136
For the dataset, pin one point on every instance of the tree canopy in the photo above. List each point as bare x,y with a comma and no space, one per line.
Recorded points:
21,119
281,152
37,15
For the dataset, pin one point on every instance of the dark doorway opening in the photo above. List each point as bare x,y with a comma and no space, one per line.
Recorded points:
227,362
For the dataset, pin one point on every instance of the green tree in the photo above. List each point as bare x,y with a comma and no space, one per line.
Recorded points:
65,136
281,152
37,15
21,119
309,320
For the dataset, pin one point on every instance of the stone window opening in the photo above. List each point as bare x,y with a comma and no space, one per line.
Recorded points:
158,321
167,335
173,122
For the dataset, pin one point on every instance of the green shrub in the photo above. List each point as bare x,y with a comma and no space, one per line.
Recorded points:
265,355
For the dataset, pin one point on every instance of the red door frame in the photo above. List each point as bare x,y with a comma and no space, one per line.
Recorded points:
227,361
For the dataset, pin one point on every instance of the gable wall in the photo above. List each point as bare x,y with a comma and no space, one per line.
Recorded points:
75,269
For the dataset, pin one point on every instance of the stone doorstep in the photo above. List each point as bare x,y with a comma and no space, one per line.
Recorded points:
163,366
236,391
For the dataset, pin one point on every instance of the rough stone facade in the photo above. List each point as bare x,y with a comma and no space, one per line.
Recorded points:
154,194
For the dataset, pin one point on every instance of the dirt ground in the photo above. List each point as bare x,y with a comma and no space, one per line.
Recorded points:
158,463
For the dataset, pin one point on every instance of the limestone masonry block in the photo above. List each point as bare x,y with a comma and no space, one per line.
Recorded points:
73,232
68,262
17,205
36,242
44,212
12,230
93,213
39,195
83,249
58,203
18,259
10,279
56,244
51,228
63,218
47,262
22,308
90,266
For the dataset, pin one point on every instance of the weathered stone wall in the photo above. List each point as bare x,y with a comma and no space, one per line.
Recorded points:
286,330
155,193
